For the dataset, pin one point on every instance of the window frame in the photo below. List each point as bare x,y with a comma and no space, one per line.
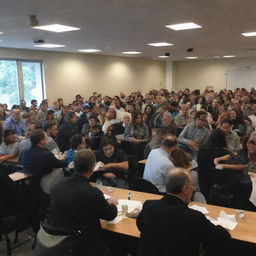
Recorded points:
20,75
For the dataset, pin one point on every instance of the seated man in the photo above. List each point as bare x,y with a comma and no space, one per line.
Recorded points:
194,135
38,160
114,164
77,205
183,118
93,132
26,143
169,227
9,148
159,163
51,131
15,123
168,124
77,143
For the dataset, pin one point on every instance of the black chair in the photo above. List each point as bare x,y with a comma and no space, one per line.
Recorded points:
141,185
223,186
132,167
8,225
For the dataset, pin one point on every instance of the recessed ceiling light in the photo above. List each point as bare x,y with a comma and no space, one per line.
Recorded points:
191,58
1,33
229,56
184,26
89,50
131,52
249,34
49,45
56,28
160,44
163,56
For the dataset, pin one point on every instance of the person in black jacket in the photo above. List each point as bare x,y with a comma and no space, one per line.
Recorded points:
216,146
77,205
38,160
169,227
66,131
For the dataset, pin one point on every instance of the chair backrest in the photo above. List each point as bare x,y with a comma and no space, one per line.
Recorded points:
133,166
142,185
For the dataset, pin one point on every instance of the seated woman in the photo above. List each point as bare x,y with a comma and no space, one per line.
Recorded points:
77,143
137,134
233,140
9,148
215,147
92,132
113,163
49,118
237,122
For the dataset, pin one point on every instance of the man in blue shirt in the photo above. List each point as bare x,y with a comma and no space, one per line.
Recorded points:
15,123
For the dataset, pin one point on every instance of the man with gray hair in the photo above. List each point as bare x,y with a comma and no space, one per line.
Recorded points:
169,227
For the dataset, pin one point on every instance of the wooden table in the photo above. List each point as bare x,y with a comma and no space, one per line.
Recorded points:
244,231
18,176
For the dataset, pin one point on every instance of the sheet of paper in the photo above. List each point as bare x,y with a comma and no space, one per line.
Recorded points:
225,220
201,209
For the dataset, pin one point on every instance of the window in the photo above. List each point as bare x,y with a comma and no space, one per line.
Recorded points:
20,79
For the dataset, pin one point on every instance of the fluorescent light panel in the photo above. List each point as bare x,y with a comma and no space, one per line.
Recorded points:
49,45
184,26
191,58
1,33
89,50
249,34
131,52
160,44
58,28
163,57
229,56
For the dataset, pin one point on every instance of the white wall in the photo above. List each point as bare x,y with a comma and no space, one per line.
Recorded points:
198,74
68,74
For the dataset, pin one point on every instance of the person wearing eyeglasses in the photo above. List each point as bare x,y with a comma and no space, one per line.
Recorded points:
194,135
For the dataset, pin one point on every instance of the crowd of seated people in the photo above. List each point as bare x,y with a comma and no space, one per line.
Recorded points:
212,133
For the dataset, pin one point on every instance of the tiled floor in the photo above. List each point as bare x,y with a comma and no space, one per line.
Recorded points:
25,239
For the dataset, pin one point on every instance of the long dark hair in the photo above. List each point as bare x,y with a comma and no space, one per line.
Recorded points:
179,158
217,140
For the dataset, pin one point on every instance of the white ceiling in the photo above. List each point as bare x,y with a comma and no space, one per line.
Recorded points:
122,25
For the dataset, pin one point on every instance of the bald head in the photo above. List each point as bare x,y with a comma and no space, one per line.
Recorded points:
176,180
169,142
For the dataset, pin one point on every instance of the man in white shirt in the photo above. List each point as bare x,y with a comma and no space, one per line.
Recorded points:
159,164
